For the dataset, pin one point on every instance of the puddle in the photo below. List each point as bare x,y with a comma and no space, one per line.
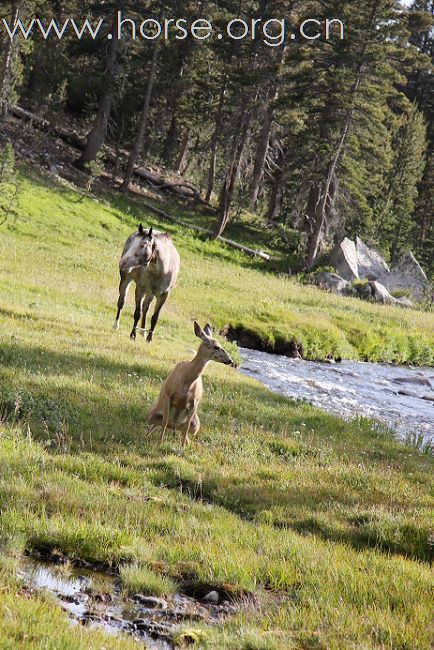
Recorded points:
402,398
94,598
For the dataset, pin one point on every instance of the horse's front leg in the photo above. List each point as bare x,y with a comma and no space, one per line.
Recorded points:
154,320
140,292
124,285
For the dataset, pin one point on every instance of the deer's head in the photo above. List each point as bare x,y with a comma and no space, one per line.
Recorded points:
211,347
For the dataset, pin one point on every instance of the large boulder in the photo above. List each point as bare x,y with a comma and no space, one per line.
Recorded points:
343,258
407,274
370,264
334,283
380,293
375,291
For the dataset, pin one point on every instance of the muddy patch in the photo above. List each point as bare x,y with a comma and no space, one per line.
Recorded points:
94,597
252,341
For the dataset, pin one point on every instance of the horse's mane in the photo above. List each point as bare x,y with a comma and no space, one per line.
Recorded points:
164,235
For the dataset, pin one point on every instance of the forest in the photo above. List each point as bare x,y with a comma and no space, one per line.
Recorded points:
313,138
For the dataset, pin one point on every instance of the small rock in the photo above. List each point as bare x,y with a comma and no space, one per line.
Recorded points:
417,380
201,612
212,597
404,302
150,602
151,627
408,393
102,598
428,398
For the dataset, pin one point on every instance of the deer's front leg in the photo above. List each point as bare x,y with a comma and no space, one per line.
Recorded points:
166,414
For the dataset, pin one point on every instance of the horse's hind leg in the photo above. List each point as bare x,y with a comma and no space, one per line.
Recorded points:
123,290
140,292
154,320
146,303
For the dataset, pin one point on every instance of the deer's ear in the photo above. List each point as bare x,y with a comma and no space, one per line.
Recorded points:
207,329
198,331
141,229
150,232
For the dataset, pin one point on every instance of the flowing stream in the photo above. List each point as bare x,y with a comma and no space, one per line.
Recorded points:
402,398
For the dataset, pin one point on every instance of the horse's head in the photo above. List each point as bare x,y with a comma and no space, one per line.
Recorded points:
140,250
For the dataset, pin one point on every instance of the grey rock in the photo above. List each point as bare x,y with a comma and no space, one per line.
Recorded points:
375,291
343,258
381,294
365,291
212,597
404,302
334,283
407,274
428,398
150,602
416,380
370,264
408,393
355,260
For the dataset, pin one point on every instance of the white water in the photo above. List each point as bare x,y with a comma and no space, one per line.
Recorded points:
352,389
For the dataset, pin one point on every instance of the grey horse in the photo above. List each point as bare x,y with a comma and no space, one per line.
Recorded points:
152,261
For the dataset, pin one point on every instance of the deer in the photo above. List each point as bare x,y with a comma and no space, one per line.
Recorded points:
181,393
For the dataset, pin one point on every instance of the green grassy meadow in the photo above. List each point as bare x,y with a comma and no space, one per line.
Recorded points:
327,524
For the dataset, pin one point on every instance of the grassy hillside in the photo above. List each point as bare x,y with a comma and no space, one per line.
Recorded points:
327,524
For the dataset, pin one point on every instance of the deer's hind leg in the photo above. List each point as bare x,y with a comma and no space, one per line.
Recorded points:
166,414
192,420
155,420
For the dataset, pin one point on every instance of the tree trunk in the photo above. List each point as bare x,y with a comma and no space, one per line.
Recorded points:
274,202
261,154
6,70
263,141
227,191
182,157
214,141
172,137
323,194
143,122
98,133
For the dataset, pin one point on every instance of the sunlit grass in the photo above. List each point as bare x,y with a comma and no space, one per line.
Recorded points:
328,524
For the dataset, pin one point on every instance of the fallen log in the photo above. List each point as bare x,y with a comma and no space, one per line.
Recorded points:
67,135
183,189
227,242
